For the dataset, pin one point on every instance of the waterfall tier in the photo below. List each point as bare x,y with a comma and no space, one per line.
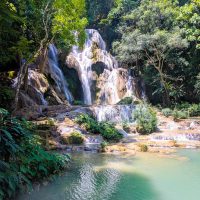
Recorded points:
114,113
57,74
103,82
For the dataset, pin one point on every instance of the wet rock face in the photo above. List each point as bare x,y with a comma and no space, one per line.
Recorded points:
40,91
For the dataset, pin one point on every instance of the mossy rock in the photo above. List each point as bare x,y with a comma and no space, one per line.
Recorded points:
73,138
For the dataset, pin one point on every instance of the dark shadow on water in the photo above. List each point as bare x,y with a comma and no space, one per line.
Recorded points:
135,186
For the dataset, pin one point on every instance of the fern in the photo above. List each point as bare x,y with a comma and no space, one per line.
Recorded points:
22,160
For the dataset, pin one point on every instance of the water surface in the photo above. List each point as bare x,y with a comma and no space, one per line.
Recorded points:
115,177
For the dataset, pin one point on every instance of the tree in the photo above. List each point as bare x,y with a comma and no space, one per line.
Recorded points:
154,50
166,31
61,21
189,19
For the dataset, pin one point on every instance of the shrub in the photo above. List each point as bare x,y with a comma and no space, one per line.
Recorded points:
126,126
146,120
75,138
194,110
177,114
167,112
22,159
89,123
107,130
103,146
183,106
143,147
126,101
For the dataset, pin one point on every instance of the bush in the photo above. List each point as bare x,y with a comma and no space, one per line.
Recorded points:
22,159
146,120
74,138
177,114
126,127
183,111
103,146
143,147
126,101
194,110
107,130
167,112
89,123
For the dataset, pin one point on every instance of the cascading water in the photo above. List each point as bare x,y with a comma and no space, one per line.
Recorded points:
104,84
56,73
87,57
114,113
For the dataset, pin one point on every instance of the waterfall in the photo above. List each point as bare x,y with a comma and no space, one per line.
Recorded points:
56,73
87,57
103,82
114,113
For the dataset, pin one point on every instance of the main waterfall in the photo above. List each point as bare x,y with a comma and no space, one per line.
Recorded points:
91,76
103,82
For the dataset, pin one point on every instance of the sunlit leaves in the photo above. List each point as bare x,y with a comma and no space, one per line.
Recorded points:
69,21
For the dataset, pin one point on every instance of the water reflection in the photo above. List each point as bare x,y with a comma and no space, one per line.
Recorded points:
117,177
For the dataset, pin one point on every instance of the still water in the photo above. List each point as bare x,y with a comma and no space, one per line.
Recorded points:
116,177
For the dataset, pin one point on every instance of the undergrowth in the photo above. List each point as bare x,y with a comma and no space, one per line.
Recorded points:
107,130
22,158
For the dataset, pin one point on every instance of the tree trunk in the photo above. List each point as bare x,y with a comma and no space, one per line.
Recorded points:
19,84
166,98
43,59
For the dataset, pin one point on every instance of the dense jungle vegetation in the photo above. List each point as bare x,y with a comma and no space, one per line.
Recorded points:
157,39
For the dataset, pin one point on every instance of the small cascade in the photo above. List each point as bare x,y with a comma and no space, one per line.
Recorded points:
56,73
114,113
177,137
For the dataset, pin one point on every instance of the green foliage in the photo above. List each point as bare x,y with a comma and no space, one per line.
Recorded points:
27,27
107,130
103,146
167,112
9,33
126,101
74,138
126,126
22,159
69,19
7,95
89,123
160,40
189,18
77,102
197,85
194,110
143,147
182,111
178,114
146,120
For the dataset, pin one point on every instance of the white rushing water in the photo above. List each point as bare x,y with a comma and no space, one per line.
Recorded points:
57,74
89,56
103,82
114,113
